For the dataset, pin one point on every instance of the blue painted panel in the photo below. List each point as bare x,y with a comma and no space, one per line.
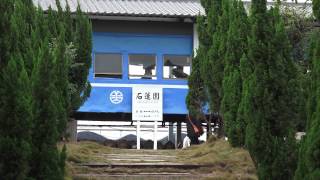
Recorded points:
99,101
125,44
142,43
174,101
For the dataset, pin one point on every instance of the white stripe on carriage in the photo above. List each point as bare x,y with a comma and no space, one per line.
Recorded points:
166,86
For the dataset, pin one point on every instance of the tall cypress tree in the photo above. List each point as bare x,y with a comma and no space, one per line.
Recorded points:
257,53
267,98
52,17
207,53
246,70
57,27
33,116
206,27
68,24
45,134
211,52
232,82
21,24
62,64
308,165
215,58
15,93
80,87
64,31
6,8
196,99
15,120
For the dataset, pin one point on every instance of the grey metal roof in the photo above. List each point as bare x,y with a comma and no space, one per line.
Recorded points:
144,8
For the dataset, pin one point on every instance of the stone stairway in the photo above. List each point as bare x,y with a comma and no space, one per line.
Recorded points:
139,165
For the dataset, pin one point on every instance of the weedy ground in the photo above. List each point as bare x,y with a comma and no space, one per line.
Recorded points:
227,162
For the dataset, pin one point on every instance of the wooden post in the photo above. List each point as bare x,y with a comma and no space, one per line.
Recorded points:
175,136
72,130
208,130
170,135
138,134
155,134
179,138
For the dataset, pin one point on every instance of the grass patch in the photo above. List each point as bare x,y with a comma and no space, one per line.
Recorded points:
85,152
229,163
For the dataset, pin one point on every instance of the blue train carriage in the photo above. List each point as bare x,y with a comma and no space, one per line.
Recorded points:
137,43
141,48
123,61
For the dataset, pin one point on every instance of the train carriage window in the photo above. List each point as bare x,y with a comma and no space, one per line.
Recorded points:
142,66
108,65
176,67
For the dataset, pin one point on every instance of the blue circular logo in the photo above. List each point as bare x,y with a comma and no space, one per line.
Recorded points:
116,97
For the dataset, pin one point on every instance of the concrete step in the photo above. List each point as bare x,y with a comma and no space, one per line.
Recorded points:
146,165
148,176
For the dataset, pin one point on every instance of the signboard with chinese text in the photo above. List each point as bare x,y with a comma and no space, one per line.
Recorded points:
147,104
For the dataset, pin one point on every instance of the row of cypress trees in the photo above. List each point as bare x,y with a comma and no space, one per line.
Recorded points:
245,71
44,62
